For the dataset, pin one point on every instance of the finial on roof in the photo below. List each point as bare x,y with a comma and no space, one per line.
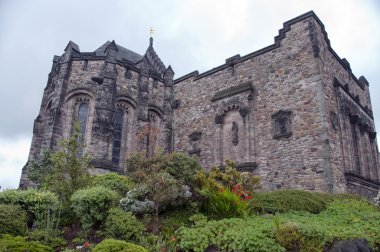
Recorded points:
151,32
111,45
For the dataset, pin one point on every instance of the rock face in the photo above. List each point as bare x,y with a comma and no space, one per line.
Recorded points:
357,245
292,112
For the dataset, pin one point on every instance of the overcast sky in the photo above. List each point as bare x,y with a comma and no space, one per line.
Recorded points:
189,35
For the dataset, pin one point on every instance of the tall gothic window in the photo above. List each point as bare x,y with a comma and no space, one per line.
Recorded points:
118,127
82,118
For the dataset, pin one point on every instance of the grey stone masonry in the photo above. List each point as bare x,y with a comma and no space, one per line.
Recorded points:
292,113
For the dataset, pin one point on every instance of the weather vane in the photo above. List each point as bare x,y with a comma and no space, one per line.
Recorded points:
151,31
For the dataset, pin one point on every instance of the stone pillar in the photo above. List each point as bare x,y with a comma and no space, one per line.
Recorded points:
102,129
218,140
168,110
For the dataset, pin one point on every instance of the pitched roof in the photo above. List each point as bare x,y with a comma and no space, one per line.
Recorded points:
123,53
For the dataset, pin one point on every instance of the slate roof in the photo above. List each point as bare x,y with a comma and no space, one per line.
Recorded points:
123,53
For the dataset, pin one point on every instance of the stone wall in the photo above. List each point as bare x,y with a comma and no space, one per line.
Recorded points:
285,78
292,112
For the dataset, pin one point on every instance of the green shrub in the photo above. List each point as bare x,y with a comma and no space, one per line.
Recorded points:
287,200
123,225
253,234
225,204
218,178
118,183
51,238
91,205
40,206
19,244
12,220
343,219
183,167
110,245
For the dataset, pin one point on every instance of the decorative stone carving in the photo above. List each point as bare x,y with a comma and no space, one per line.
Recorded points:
243,111
334,120
128,74
282,124
176,104
195,136
195,142
218,119
235,133
103,123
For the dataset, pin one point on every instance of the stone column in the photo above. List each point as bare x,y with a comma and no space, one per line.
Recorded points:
102,130
168,110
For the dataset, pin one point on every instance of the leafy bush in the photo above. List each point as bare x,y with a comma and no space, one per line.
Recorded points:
110,245
12,220
91,205
218,178
286,200
40,206
136,201
225,204
19,244
183,167
118,183
343,219
167,177
51,238
253,234
123,226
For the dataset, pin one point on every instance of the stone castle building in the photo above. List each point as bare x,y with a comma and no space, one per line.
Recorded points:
292,112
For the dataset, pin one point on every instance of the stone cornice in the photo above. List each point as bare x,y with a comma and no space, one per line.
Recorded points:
233,91
356,179
337,83
281,35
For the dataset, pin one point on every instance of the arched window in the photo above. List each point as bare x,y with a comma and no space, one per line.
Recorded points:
82,118
118,129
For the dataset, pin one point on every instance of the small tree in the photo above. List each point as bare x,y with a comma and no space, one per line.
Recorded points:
152,172
64,171
68,170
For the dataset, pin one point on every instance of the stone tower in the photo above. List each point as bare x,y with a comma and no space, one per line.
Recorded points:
113,93
292,112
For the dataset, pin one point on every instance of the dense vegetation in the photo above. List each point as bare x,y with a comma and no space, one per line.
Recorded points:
168,203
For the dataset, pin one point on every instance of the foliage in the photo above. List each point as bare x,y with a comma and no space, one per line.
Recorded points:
41,206
91,205
118,183
110,245
253,234
136,201
123,226
12,220
68,170
286,200
19,244
295,231
38,170
51,239
198,220
162,188
183,168
225,204
217,178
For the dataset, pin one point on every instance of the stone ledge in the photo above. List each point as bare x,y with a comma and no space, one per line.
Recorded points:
357,180
246,166
233,91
